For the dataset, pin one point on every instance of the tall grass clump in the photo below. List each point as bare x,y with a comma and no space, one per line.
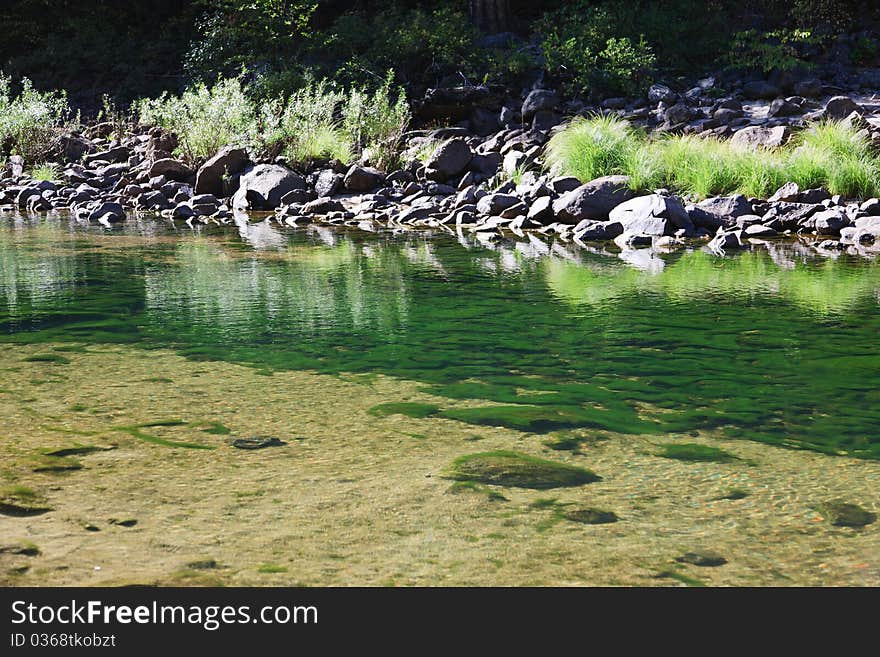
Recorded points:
830,155
595,147
203,118
31,121
305,127
375,122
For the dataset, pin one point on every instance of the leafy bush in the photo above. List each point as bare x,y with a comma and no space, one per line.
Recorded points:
376,121
781,50
304,127
32,120
204,118
577,46
829,155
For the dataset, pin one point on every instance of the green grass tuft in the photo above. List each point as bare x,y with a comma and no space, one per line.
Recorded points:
829,154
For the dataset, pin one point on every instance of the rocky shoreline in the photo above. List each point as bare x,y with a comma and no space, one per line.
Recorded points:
485,175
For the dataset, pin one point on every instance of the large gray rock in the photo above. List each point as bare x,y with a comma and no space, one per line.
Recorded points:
538,100
172,169
840,107
652,215
263,186
328,183
448,160
659,93
495,204
229,161
593,200
362,179
117,154
761,137
109,212
827,222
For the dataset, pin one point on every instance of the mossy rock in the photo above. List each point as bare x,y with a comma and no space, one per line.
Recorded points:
695,452
48,358
25,548
702,558
590,516
410,409
21,502
534,419
844,514
504,468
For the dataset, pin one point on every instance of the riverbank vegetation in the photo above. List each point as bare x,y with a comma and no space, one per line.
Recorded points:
139,48
832,155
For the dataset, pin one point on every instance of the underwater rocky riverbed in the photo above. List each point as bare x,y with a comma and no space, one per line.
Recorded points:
430,410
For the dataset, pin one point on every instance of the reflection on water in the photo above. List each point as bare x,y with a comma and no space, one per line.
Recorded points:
772,345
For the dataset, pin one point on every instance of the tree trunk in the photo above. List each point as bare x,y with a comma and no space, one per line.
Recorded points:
491,16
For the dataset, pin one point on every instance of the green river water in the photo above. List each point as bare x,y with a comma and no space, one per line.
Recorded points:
543,341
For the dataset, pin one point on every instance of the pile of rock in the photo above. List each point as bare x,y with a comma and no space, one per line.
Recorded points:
484,183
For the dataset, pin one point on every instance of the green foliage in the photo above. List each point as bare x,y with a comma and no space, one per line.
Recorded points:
45,172
781,50
375,122
236,34
830,155
31,120
203,118
304,126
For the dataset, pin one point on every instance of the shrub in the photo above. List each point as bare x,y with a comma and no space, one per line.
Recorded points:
375,122
204,118
45,172
32,120
304,127
830,155
781,50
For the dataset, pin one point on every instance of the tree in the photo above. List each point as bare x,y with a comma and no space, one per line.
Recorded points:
491,16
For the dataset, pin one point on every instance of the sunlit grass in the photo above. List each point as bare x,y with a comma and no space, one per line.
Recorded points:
829,155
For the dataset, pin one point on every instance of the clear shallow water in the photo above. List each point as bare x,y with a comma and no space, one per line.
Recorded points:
772,346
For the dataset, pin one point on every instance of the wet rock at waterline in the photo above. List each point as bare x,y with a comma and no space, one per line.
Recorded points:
263,186
593,200
506,468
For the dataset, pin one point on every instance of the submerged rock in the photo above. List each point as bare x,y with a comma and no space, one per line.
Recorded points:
590,516
844,514
506,468
257,442
702,558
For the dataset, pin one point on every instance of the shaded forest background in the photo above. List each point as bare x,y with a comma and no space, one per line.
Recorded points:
143,47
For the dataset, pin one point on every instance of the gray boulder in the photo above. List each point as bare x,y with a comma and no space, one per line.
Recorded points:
448,160
328,183
362,179
840,107
109,211
652,215
263,186
538,100
495,204
229,161
593,200
782,107
172,169
117,154
761,137
660,93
